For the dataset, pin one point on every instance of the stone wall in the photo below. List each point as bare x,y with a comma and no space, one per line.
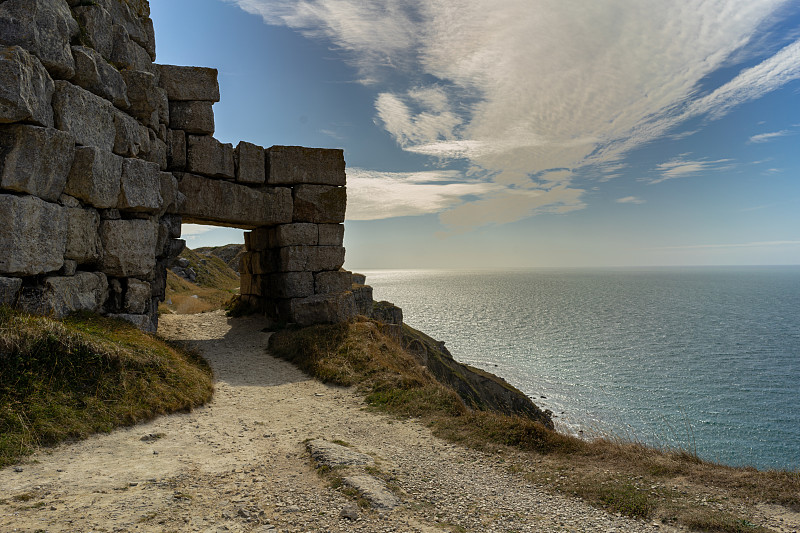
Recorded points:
104,153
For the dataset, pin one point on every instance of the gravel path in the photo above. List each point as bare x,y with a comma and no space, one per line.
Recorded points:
240,463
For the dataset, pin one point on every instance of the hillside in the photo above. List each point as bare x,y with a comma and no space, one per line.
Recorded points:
200,281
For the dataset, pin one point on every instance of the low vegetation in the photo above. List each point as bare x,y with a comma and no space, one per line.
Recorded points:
64,380
673,487
213,288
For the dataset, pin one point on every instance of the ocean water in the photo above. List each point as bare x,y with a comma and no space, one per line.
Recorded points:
705,359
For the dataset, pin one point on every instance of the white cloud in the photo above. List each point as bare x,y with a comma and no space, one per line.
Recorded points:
374,195
630,200
191,230
680,167
520,87
766,137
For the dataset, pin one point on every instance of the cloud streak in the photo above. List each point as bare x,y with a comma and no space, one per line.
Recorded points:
521,87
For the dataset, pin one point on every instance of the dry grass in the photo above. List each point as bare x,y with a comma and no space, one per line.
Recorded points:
671,486
215,286
63,380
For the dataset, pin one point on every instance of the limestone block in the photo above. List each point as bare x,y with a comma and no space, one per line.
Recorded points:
9,289
26,88
249,160
136,24
309,258
137,296
332,281
319,309
291,285
143,322
140,186
129,247
44,28
319,203
359,279
126,54
130,138
158,151
189,83
33,235
143,95
70,267
331,234
207,156
173,224
363,297
255,263
292,235
252,284
222,202
194,116
68,201
62,295
35,160
163,112
176,150
173,248
291,165
96,21
95,177
169,192
86,116
94,74
83,239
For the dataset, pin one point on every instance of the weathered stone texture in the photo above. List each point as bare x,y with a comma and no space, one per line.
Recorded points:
319,203
94,74
250,166
291,235
144,96
291,165
44,28
172,199
176,149
331,234
309,258
35,160
95,177
61,295
137,296
9,289
135,19
83,239
33,235
290,285
143,322
26,88
96,21
86,116
363,298
140,187
126,53
189,83
320,308
222,202
207,156
195,117
332,282
130,137
129,247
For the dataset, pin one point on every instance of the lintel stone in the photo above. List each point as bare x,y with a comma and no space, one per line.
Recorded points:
292,165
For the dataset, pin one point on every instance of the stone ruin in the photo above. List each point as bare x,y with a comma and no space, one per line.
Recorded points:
104,153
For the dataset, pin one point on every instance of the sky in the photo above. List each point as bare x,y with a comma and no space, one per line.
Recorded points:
523,133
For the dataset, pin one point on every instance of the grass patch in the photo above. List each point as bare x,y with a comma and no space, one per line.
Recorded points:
64,380
216,284
623,477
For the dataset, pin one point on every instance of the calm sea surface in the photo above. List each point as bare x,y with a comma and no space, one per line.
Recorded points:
706,359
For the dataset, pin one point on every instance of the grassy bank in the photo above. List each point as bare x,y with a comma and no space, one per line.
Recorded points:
672,487
64,380
216,284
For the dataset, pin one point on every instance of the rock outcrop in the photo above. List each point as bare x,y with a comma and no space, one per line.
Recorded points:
103,153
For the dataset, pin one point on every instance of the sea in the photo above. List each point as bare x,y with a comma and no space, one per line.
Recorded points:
704,359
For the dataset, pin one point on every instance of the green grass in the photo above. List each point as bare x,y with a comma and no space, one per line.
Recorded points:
64,380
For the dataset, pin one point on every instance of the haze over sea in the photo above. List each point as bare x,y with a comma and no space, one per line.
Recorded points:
702,358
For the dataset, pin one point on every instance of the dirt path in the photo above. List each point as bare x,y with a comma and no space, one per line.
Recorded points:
240,463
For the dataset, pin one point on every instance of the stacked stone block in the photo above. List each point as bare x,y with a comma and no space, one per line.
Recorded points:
104,153
89,214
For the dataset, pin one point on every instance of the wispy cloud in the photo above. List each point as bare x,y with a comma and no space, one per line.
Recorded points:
680,167
630,200
520,87
766,137
192,230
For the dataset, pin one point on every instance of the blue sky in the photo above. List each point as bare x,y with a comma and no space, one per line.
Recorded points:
522,133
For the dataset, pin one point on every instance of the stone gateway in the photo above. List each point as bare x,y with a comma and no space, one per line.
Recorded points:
104,153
